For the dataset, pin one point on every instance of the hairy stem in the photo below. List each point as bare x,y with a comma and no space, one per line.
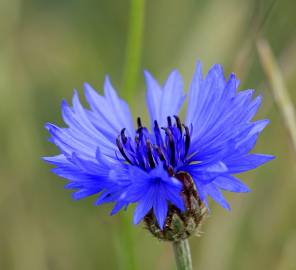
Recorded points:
182,255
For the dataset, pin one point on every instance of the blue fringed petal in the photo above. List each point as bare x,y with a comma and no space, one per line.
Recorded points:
165,101
230,183
153,191
213,191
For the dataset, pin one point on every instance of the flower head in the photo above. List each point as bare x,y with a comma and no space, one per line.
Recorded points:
171,168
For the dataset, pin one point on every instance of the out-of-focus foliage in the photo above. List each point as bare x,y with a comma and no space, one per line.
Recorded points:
47,48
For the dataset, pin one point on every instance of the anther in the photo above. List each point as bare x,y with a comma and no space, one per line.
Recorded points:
160,153
171,143
156,125
120,147
170,171
187,139
169,121
140,127
137,139
139,122
123,137
149,154
178,122
158,135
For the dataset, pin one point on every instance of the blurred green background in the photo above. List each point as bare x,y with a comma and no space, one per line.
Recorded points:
47,48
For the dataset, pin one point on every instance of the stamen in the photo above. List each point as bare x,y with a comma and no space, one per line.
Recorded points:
138,151
172,144
149,154
169,121
187,139
160,153
120,147
123,137
170,171
149,149
140,127
178,122
158,136
139,122
137,140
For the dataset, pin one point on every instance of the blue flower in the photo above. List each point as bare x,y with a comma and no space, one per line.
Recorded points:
101,152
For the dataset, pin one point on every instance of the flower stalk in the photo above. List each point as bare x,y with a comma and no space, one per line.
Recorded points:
133,48
130,79
182,255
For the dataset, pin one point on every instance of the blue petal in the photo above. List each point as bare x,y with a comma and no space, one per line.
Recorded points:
143,207
172,97
206,95
153,97
119,107
201,192
118,206
151,190
85,193
217,167
101,109
231,86
205,174
56,160
230,183
160,209
74,185
105,197
176,199
212,191
253,108
164,102
194,93
81,130
248,162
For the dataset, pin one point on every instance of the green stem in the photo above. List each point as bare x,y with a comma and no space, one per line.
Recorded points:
127,244
133,48
278,87
182,255
130,80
